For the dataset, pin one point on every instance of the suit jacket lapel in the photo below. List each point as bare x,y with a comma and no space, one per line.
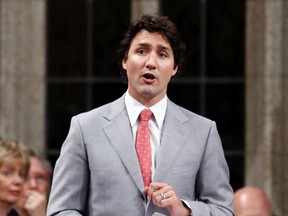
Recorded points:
119,132
173,138
120,135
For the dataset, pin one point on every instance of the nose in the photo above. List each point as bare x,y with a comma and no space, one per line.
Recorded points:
151,61
32,184
18,179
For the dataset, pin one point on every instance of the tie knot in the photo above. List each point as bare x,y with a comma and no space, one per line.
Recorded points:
145,115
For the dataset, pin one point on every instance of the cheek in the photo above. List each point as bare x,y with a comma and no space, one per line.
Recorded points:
43,189
133,70
134,62
3,184
3,191
2,196
25,188
1,187
167,65
168,71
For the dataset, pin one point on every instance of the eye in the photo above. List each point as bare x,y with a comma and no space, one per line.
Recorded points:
141,51
7,173
39,178
163,55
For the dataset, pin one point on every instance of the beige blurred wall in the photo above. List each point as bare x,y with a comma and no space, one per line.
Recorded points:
266,147
22,71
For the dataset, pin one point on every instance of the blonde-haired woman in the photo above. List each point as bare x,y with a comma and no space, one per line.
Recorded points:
14,166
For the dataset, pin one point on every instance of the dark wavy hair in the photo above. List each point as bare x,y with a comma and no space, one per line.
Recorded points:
153,23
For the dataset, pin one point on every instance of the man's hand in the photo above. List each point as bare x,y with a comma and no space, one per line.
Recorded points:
163,195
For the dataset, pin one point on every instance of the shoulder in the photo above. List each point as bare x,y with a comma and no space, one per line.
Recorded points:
104,112
183,114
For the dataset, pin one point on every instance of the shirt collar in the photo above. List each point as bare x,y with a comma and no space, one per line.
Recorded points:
134,108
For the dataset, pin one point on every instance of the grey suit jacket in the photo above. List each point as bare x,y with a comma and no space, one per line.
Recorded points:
98,174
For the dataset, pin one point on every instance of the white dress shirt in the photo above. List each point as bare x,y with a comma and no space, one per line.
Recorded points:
134,109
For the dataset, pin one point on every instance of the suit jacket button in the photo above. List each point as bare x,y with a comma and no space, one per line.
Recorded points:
142,196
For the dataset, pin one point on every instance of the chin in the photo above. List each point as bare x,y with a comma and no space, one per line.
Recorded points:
13,200
148,91
147,94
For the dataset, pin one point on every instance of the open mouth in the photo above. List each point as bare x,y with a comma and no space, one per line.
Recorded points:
149,76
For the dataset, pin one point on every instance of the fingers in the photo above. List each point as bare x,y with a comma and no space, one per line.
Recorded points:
163,195
35,203
153,187
160,194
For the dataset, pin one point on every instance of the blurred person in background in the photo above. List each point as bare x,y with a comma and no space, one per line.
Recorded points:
251,201
14,166
34,200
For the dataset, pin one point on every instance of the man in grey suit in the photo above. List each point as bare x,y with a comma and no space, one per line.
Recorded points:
98,172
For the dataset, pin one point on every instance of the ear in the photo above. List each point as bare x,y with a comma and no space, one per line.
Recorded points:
175,70
124,65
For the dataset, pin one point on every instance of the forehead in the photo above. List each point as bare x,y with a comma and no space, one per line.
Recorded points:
11,162
36,164
144,37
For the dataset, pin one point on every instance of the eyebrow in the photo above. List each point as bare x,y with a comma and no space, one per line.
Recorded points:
161,47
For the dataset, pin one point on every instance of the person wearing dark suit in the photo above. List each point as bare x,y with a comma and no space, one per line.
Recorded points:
98,173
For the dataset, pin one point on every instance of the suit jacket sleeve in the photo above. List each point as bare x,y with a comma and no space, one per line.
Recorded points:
213,191
70,180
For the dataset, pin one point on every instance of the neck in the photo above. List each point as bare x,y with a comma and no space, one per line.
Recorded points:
147,101
5,208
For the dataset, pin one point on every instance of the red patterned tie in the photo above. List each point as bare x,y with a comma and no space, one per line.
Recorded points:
143,147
